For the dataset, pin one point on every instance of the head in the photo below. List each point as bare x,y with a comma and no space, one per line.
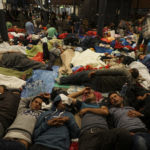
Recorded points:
134,72
48,26
2,89
36,103
115,99
89,95
141,56
60,102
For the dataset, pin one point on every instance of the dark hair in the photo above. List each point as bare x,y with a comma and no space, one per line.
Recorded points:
134,73
139,56
37,97
114,92
127,60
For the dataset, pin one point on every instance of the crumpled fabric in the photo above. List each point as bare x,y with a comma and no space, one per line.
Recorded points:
87,57
88,67
38,57
11,82
66,58
41,81
5,47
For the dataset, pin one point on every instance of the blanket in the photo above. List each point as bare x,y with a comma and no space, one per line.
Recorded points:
5,47
11,82
34,50
41,81
66,58
19,62
18,74
87,57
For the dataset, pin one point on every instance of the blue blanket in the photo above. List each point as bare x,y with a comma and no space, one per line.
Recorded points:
41,81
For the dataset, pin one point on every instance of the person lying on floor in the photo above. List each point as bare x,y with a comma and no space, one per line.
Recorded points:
19,61
143,100
55,128
18,136
145,59
104,80
128,118
9,102
95,133
51,55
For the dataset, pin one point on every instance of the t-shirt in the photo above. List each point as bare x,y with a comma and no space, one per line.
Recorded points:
90,120
122,120
29,27
52,32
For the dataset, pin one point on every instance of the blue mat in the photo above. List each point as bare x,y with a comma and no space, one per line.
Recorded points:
41,81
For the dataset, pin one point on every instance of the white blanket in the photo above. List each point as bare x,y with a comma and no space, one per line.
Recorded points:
17,34
144,73
11,82
5,47
88,57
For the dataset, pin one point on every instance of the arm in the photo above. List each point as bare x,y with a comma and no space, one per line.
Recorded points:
24,103
73,127
134,113
99,111
79,93
143,97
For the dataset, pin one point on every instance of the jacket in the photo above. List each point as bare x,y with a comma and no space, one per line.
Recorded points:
55,137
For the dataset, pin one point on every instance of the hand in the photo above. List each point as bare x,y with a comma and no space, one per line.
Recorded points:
83,111
132,133
63,119
54,122
134,113
46,95
85,89
57,121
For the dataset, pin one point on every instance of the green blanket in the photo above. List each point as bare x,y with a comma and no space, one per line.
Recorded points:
36,49
18,74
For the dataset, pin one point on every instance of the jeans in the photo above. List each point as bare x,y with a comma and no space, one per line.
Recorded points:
11,145
139,143
142,141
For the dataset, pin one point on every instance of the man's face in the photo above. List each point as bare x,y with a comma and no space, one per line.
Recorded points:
36,104
115,99
61,106
141,57
1,89
89,95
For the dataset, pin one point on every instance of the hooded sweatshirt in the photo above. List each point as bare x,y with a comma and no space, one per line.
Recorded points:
23,125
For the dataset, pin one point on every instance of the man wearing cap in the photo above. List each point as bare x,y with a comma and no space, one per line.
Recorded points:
18,136
95,133
55,128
